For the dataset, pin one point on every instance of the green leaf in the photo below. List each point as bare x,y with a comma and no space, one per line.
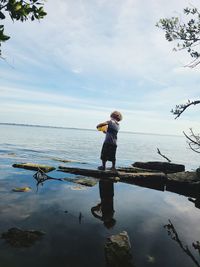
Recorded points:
20,10
18,6
2,16
3,37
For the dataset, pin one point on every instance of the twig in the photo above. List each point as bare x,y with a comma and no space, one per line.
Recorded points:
163,155
193,63
193,141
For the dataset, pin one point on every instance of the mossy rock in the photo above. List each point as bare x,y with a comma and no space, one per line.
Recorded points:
34,166
118,251
86,181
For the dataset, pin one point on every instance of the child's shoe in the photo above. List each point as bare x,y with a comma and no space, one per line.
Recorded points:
101,168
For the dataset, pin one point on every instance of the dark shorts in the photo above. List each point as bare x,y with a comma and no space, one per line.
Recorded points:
108,152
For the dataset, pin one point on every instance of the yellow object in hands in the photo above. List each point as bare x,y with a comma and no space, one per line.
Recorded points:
22,189
103,128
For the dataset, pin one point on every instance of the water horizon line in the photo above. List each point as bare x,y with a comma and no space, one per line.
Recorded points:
76,128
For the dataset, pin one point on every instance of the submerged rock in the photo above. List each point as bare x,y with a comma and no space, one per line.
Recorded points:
21,238
150,259
87,181
118,251
22,189
68,160
78,187
34,166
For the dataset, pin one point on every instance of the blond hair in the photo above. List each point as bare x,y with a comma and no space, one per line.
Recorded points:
116,115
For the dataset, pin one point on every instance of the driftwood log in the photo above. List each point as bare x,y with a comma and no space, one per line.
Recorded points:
165,167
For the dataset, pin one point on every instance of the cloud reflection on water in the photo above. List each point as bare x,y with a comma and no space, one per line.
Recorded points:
139,211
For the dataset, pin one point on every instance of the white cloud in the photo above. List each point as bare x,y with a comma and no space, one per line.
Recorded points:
34,95
111,51
120,39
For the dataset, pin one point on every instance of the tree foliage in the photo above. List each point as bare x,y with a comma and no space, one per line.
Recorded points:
185,34
19,11
187,37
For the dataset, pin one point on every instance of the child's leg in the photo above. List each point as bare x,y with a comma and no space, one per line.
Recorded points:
104,163
113,164
103,167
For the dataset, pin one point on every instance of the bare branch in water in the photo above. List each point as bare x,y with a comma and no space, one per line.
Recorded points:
158,150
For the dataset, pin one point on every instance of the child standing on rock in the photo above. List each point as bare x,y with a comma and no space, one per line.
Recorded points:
108,152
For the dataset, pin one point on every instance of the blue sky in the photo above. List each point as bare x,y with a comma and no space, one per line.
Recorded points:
88,58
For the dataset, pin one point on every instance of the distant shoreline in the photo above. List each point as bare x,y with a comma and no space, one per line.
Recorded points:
41,126
82,129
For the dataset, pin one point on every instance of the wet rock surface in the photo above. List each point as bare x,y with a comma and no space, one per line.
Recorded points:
129,177
118,251
165,167
87,181
184,176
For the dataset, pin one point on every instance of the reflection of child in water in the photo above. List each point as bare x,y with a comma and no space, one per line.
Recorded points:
109,148
104,210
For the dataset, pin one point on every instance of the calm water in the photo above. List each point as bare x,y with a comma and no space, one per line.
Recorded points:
55,208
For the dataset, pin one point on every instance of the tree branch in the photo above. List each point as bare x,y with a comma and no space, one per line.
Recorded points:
193,64
182,107
193,141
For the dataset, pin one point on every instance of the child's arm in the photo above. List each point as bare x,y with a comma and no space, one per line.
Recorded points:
102,124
